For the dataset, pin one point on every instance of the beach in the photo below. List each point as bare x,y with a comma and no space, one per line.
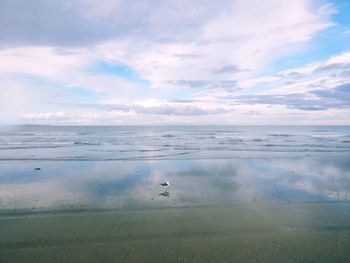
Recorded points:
174,131
236,194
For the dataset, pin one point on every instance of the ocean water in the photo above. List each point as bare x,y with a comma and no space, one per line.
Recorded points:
177,142
236,194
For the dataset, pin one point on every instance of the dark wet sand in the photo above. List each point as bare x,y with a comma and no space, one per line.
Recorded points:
288,233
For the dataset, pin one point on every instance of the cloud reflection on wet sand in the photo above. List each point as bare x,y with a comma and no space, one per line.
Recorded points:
117,184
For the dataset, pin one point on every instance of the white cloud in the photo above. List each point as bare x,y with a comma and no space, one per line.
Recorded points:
97,9
197,51
245,34
318,75
46,62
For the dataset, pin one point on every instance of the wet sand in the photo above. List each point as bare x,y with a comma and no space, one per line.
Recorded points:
290,233
249,210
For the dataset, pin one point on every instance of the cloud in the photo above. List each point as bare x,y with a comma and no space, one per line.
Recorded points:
164,41
229,85
226,69
295,101
157,107
233,39
191,59
318,86
67,68
332,66
326,74
341,94
336,64
141,112
81,22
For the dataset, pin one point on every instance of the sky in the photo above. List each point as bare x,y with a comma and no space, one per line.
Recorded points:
175,62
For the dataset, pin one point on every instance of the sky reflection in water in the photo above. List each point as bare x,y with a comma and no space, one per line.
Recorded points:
130,184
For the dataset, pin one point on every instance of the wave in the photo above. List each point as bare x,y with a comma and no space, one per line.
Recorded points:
280,135
32,147
138,143
168,136
236,154
87,143
154,150
16,134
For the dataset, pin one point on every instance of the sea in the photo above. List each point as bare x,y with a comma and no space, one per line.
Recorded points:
31,142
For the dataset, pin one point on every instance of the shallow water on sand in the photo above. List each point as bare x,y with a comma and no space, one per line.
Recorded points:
135,184
293,209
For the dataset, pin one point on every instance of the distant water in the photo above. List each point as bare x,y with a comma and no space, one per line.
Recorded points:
172,142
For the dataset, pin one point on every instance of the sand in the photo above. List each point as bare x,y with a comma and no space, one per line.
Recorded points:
249,210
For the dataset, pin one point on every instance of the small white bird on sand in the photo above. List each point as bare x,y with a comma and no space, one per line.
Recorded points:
166,184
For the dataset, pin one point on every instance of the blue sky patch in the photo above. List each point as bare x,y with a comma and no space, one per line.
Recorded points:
120,70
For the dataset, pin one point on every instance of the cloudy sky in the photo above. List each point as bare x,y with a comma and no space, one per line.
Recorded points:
174,62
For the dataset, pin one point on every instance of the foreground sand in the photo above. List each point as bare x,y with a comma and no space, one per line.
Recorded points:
288,233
